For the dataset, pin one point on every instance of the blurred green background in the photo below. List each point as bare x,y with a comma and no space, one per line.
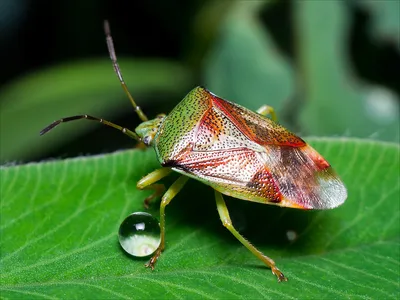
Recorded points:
330,68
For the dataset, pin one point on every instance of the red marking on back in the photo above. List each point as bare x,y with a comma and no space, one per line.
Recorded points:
210,124
319,161
255,127
265,185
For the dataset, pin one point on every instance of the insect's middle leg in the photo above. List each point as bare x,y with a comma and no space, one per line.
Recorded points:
268,110
226,221
174,189
148,183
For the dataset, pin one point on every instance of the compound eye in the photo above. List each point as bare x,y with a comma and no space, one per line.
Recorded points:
147,140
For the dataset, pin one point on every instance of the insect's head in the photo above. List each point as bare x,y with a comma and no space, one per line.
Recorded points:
148,129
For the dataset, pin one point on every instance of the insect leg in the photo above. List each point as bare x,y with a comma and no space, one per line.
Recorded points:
268,110
226,221
166,199
148,183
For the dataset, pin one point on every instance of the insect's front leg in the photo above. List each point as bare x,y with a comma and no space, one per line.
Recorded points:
226,221
268,110
166,199
148,183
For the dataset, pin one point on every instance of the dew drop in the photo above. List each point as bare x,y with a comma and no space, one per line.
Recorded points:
139,234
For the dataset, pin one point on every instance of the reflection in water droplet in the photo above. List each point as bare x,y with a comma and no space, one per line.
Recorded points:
139,234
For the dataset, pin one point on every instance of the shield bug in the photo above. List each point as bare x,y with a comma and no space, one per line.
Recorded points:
238,152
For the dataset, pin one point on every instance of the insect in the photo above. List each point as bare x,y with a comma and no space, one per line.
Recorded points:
238,152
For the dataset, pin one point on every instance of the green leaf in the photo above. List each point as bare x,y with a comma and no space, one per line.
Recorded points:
337,103
385,25
59,222
244,65
81,87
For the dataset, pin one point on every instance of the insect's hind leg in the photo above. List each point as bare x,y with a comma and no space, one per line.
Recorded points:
226,221
148,183
173,190
268,110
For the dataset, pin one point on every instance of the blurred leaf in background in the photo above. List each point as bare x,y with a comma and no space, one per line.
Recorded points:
336,103
82,87
385,20
244,65
234,48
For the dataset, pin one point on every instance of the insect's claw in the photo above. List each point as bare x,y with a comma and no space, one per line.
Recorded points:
278,274
282,278
146,203
158,191
149,265
153,260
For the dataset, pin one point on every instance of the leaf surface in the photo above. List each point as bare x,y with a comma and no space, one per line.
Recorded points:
59,223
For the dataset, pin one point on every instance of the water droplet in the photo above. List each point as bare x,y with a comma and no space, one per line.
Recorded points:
139,234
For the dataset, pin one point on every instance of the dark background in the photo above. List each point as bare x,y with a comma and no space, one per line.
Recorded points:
39,35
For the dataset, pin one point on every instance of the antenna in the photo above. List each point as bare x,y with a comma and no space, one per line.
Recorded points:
117,70
124,130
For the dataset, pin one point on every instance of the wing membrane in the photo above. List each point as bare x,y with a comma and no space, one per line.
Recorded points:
304,177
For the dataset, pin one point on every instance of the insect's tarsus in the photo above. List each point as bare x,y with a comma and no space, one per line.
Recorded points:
117,70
